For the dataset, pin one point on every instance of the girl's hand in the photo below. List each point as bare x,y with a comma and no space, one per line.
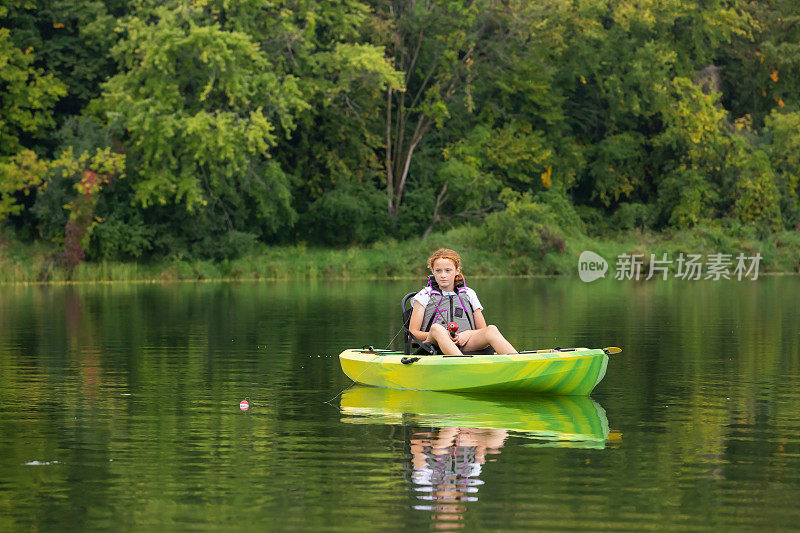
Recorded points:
462,337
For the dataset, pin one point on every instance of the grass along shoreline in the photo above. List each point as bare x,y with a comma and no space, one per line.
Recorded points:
36,263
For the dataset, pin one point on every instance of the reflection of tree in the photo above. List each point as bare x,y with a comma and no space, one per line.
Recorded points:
445,467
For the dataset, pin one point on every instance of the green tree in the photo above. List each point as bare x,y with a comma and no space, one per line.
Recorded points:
758,69
201,107
72,40
757,199
27,97
438,46
21,173
692,149
784,151
333,152
246,113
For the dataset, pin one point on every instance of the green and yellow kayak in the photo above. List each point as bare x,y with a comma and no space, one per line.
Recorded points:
574,371
566,421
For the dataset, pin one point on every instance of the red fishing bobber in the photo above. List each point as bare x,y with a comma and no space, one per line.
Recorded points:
244,405
453,327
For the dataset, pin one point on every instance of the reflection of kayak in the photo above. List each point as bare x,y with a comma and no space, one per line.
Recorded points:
566,420
574,371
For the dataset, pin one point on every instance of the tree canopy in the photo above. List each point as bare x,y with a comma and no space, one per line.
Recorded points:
138,129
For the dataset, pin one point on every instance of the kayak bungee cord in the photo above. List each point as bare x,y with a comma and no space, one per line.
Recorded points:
365,369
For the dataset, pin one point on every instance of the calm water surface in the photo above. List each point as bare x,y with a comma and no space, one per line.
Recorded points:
119,410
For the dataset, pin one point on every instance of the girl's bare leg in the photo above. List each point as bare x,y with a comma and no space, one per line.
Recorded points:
486,336
441,337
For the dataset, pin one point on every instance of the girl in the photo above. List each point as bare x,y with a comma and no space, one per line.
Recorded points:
447,299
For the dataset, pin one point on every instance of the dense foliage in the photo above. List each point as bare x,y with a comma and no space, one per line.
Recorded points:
139,129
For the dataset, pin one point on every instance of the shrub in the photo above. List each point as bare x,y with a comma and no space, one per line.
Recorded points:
119,239
532,225
347,215
596,221
757,197
633,216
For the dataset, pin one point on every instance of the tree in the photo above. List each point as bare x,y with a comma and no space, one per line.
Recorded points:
72,40
758,68
244,112
332,154
27,97
784,150
437,45
201,107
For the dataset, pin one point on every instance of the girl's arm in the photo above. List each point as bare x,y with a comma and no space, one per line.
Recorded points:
415,323
480,322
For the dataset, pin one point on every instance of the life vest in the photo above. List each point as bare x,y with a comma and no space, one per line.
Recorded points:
451,308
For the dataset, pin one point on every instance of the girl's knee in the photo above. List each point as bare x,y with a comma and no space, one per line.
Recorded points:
491,328
438,328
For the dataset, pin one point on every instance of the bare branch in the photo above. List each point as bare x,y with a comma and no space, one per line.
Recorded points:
410,68
389,163
435,218
400,150
400,125
422,127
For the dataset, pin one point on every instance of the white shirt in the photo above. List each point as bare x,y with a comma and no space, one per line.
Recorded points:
424,296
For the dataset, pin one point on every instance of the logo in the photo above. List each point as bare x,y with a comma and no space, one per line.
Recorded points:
591,266
636,267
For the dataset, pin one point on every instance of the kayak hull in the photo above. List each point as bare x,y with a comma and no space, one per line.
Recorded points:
573,372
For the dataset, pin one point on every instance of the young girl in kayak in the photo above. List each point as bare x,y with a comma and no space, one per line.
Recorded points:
447,299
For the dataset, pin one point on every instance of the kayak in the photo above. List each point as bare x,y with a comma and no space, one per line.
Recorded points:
564,421
573,371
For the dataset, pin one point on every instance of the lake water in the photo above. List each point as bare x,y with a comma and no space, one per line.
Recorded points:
119,410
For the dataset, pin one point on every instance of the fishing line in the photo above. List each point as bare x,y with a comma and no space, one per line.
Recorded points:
354,381
393,338
365,369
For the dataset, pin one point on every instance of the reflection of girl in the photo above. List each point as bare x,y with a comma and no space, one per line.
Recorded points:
447,464
447,299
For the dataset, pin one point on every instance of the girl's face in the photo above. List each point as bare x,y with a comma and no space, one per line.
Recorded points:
444,270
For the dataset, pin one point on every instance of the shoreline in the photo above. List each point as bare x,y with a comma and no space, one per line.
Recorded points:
153,281
36,264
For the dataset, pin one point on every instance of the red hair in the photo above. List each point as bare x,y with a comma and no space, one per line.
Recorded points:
446,253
